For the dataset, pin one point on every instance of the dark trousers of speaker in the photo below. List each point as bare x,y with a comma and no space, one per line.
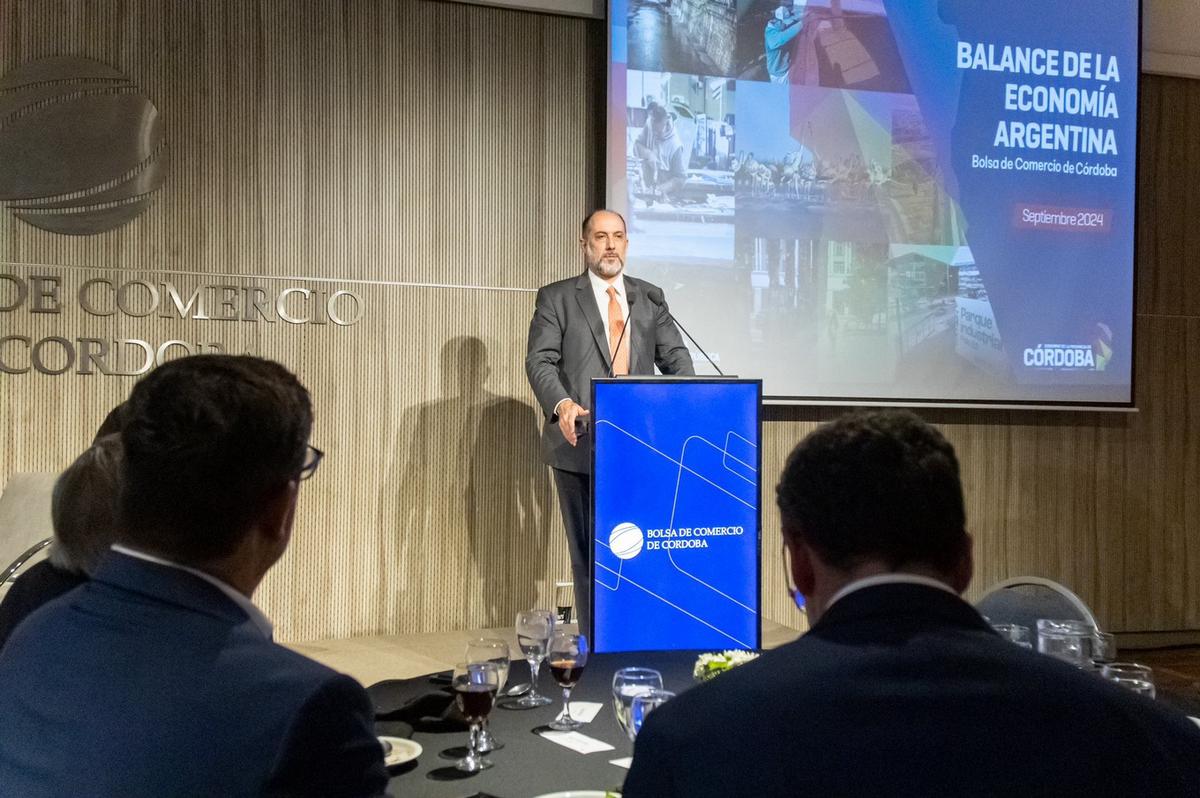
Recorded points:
574,499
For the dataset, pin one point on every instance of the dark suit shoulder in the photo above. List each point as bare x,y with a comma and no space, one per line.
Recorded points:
559,286
644,285
938,704
36,587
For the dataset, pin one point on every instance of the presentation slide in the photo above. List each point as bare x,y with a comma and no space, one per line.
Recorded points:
676,496
927,200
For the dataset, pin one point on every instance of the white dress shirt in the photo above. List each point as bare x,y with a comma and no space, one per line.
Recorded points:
600,289
889,579
256,615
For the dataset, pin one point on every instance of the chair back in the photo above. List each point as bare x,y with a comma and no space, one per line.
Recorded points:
25,525
1025,599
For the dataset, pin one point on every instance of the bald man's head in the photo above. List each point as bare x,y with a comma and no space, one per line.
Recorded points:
603,243
587,220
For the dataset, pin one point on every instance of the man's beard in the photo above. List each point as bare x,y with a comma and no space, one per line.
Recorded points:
607,268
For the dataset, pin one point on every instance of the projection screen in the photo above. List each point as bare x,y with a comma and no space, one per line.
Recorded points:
876,200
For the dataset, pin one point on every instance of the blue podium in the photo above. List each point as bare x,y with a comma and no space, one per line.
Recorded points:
675,512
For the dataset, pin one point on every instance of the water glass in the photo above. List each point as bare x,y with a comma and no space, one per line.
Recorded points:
568,656
1131,676
494,650
643,705
627,684
1070,641
1104,648
534,629
1015,633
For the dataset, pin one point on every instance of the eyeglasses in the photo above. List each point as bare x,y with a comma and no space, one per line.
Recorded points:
312,459
796,596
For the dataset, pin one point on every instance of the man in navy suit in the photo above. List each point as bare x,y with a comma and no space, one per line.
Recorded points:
159,676
601,323
900,687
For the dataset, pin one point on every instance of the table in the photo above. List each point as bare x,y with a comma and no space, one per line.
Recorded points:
529,765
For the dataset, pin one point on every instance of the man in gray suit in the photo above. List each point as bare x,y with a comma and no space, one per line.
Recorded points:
579,332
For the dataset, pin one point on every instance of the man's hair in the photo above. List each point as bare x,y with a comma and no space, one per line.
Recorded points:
83,507
208,439
587,221
876,486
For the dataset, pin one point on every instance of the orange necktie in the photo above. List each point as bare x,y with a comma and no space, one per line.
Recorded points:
620,356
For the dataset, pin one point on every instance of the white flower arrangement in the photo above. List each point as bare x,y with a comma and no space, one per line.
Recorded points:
709,665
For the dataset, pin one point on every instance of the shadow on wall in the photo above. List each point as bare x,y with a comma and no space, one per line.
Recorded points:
472,505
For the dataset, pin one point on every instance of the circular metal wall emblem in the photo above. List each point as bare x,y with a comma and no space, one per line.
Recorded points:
81,147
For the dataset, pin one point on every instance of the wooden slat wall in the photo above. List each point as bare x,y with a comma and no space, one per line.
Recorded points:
412,143
388,142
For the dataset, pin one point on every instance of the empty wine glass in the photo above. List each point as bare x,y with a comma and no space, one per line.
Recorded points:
627,684
643,705
494,650
534,628
475,685
568,654
1131,676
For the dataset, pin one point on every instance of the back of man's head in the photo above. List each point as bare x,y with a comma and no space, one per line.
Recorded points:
83,507
208,440
876,487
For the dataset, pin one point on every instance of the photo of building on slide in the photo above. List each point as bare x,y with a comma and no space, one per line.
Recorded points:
690,36
840,44
679,164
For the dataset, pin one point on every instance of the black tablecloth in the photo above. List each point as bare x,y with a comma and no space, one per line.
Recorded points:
528,765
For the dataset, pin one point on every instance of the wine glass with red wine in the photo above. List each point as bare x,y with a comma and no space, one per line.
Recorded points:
568,654
475,685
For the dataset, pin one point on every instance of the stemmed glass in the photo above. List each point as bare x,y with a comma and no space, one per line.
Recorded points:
495,650
568,654
1131,676
1104,648
1070,641
643,705
534,628
1014,633
475,685
628,683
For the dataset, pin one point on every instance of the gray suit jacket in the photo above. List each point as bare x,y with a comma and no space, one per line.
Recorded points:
568,346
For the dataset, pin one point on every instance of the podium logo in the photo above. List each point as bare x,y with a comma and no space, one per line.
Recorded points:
626,541
81,147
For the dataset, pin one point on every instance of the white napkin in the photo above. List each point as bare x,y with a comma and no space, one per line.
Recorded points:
583,711
577,742
1195,720
623,762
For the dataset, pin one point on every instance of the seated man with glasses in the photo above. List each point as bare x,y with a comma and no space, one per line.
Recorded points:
900,687
159,676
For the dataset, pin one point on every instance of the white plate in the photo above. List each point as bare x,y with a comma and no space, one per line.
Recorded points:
402,751
575,794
